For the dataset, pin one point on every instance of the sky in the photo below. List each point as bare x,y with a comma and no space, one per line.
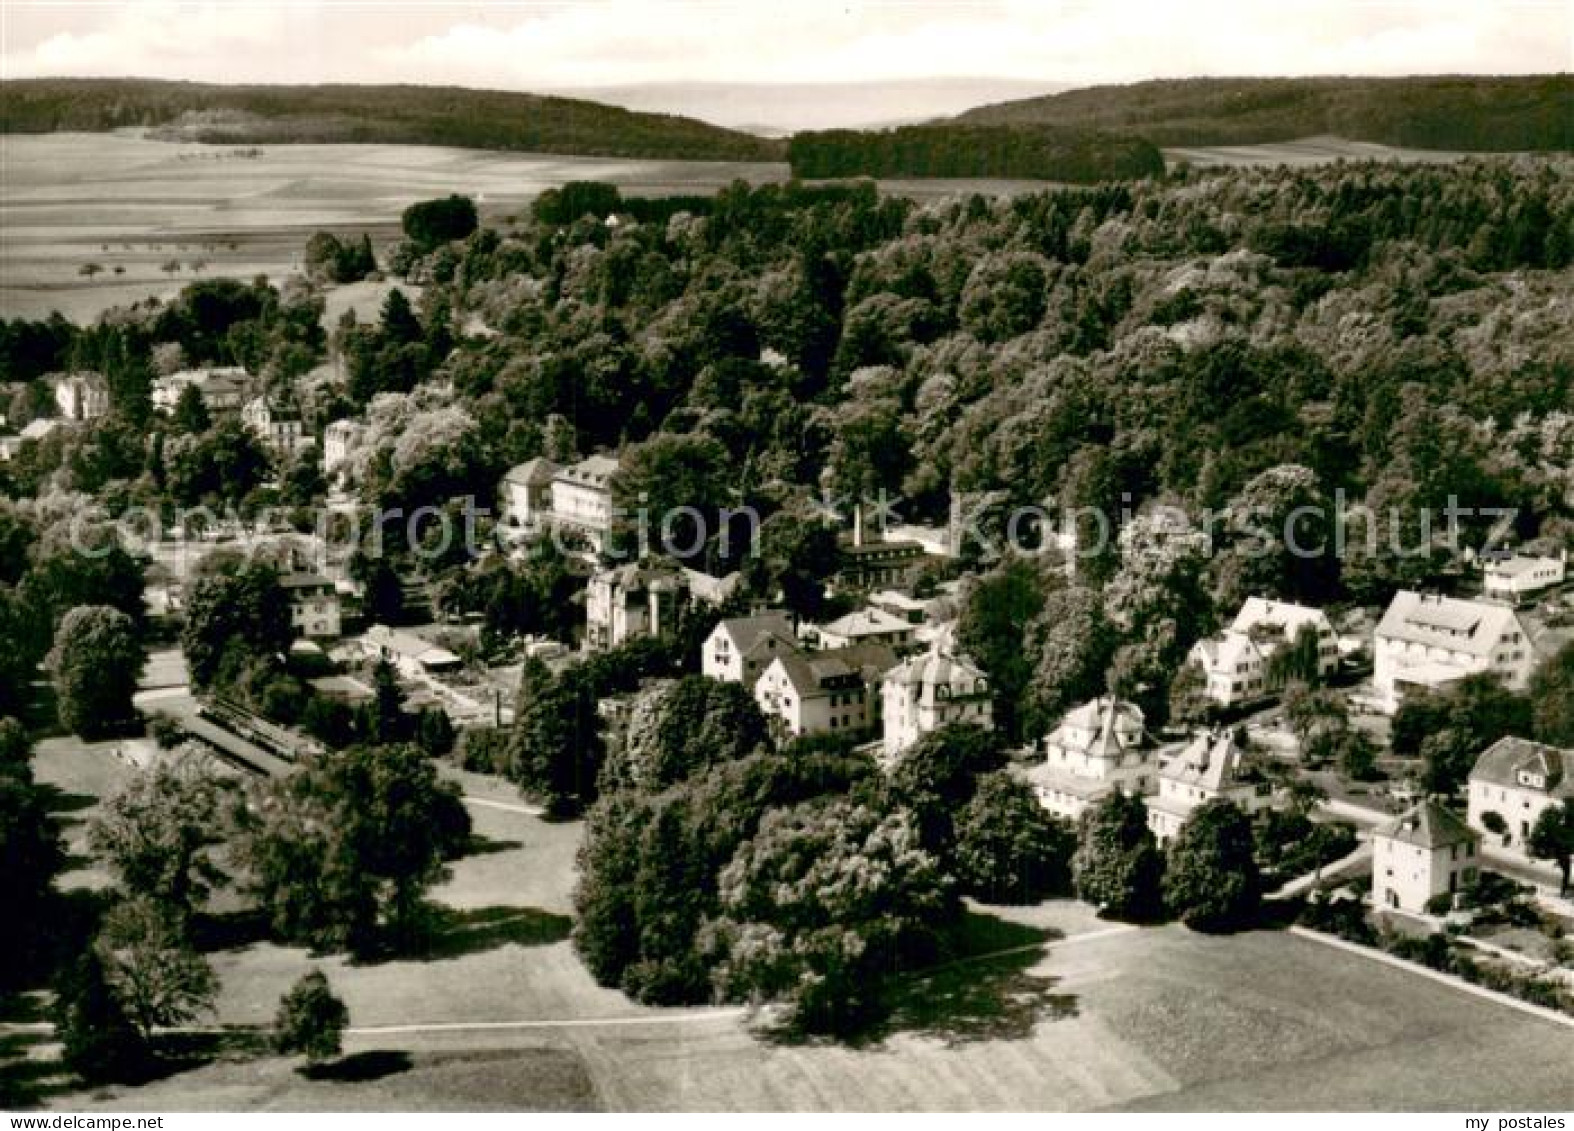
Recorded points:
554,46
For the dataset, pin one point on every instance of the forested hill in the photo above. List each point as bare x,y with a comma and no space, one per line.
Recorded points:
417,115
1534,112
951,150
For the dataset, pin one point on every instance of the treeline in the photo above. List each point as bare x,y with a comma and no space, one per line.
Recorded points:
1472,113
414,115
1030,153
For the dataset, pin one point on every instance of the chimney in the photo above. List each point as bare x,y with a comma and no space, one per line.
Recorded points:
858,524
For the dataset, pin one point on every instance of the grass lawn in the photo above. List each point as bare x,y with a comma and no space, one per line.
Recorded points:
1082,1014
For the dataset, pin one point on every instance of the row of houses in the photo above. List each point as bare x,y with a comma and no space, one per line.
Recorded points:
1432,851
1424,641
1103,747
855,683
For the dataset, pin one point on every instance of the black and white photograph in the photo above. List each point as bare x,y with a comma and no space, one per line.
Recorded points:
702,556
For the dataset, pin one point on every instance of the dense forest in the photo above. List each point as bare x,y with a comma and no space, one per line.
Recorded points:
1029,153
413,115
1231,343
1471,113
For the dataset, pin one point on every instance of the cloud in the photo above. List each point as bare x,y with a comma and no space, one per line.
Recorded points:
619,42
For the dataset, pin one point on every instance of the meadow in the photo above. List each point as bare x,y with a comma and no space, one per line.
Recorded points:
122,201
1058,1010
152,215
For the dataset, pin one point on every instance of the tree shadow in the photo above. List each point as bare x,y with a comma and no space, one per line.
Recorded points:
454,933
983,992
485,846
229,930
59,801
27,1079
986,992
359,1068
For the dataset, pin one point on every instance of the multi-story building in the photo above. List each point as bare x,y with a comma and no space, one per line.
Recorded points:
1098,748
929,691
582,500
315,610
526,494
1421,854
739,649
276,424
1513,783
1211,767
339,441
1428,641
80,396
831,692
867,626
1520,579
223,388
1237,664
638,599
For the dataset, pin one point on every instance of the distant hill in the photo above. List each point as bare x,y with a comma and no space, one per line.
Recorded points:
1478,114
1027,152
412,115
775,109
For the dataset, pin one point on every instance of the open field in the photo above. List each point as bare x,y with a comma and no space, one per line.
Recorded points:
121,200
1303,152
501,1015
128,203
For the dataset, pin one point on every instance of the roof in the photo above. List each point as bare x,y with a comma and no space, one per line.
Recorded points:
636,576
305,580
1458,625
87,377
536,472
410,646
866,622
1213,760
1501,763
1225,651
940,668
746,632
1429,825
898,600
1107,719
1258,612
809,672
38,429
596,471
1511,569
706,587
849,548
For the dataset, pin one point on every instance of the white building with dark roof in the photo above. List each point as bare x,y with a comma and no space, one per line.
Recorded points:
1421,854
739,649
315,609
1517,780
1211,767
1098,748
831,692
277,425
1425,641
929,691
